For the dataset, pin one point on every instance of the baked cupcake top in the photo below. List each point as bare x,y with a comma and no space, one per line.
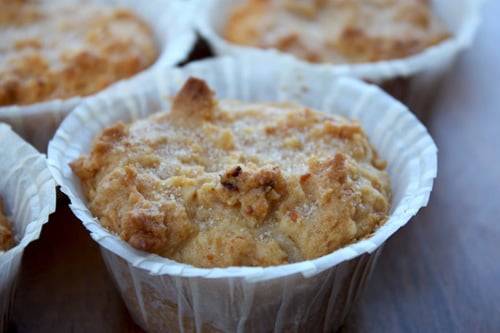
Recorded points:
6,237
61,49
337,31
227,183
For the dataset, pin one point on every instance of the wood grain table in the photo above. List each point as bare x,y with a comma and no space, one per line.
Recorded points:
440,273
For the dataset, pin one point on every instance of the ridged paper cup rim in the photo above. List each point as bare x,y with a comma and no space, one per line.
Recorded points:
396,133
27,188
172,24
462,17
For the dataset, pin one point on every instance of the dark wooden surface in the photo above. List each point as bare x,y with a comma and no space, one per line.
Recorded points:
441,273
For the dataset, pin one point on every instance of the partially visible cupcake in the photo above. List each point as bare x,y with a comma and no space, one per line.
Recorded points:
312,293
28,197
403,45
337,32
65,50
6,234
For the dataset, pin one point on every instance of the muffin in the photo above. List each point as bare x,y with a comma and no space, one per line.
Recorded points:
53,53
336,31
404,46
225,183
6,238
28,197
57,50
291,295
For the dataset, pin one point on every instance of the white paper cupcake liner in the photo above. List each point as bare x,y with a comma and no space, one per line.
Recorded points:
316,294
413,80
171,22
29,196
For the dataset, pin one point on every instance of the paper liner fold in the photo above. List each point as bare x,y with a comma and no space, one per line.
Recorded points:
29,197
149,283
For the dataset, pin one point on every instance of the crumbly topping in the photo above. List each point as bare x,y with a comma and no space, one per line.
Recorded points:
6,236
337,31
60,49
226,183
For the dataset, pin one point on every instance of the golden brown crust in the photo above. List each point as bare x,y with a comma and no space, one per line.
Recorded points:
194,102
6,236
52,49
253,184
337,31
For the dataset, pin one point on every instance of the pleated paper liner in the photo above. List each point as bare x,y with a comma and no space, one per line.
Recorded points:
29,196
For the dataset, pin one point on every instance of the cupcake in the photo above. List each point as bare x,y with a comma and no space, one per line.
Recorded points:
293,279
28,197
403,46
6,235
55,53
336,32
217,183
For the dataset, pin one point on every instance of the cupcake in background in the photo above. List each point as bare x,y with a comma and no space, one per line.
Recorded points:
58,50
54,53
403,46
165,294
28,195
336,32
